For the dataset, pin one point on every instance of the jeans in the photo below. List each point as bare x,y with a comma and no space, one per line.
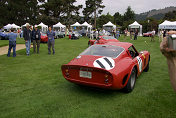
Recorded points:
34,45
12,44
51,44
28,45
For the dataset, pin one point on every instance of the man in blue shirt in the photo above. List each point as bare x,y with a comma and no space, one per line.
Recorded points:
51,34
12,42
36,39
27,34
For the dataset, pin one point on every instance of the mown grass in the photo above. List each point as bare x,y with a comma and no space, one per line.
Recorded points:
33,87
6,42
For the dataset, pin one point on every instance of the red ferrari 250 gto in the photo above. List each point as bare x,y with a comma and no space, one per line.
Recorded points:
102,40
114,65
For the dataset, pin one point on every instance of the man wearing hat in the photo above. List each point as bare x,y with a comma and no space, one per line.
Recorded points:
36,38
27,34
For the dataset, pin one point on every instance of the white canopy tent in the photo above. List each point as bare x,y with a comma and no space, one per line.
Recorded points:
9,26
59,25
85,24
44,27
167,25
15,26
109,26
136,25
74,26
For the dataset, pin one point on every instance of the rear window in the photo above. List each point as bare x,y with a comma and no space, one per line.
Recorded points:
103,50
108,37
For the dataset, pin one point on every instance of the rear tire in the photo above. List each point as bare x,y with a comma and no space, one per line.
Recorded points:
131,82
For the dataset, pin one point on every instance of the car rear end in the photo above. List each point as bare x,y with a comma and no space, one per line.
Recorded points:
89,76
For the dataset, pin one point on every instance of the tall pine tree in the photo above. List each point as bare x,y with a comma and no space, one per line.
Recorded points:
93,8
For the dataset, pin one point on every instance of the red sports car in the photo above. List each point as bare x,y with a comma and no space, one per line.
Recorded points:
44,38
102,40
148,34
111,65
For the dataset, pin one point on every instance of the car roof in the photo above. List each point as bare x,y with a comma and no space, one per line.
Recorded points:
124,45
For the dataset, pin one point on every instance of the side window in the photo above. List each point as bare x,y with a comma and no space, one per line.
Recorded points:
132,52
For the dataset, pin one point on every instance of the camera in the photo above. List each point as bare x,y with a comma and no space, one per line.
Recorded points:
172,41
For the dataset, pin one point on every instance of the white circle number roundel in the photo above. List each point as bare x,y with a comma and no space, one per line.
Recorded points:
105,63
139,63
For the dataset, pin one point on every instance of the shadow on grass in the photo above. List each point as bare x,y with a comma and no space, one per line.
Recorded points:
93,91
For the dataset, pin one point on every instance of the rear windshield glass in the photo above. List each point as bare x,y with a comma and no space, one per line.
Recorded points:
108,37
103,50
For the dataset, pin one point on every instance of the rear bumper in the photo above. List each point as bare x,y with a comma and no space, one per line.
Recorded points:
98,85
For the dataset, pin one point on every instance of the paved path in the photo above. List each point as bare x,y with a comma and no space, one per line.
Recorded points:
4,50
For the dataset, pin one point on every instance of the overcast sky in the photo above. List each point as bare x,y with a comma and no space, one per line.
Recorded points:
139,6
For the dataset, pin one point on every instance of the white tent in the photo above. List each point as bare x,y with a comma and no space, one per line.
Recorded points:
109,24
136,25
8,26
44,27
167,25
59,25
109,27
15,26
76,25
85,24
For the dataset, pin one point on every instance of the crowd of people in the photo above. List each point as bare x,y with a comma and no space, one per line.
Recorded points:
29,35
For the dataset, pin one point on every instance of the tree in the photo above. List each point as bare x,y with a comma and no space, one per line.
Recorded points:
18,12
93,7
170,16
57,10
129,14
118,19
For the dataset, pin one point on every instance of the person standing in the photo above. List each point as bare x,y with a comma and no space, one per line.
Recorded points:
117,34
91,34
27,34
131,34
96,34
51,42
135,34
170,55
153,35
12,42
161,35
36,38
125,33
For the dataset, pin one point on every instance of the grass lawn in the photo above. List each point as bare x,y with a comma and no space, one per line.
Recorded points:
33,87
6,42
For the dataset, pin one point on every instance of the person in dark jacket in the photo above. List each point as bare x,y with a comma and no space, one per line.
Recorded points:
135,34
27,34
12,42
51,34
36,39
